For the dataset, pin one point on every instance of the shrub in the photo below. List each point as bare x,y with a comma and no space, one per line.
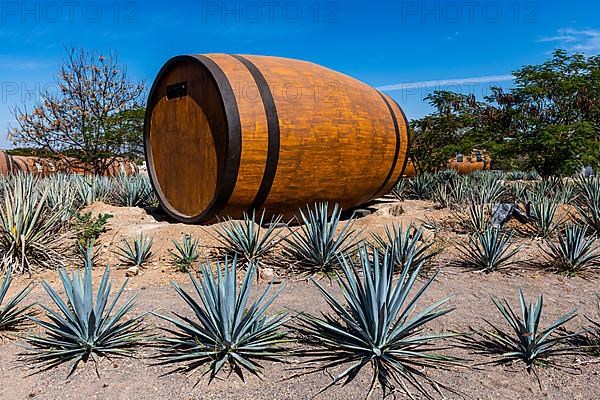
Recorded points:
88,228
138,254
574,251
487,251
186,253
315,246
226,328
377,324
78,328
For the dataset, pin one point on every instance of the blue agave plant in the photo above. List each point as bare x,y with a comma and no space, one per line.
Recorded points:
80,328
226,328
376,324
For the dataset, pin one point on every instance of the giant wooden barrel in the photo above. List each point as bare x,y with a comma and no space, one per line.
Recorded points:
467,164
121,166
24,164
6,163
15,164
226,134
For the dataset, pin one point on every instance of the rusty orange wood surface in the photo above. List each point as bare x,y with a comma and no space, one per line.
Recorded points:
226,134
43,166
476,161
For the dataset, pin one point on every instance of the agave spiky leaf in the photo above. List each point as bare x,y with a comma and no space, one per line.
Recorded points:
410,248
532,175
12,313
421,186
487,251
138,254
574,252
376,324
588,202
555,188
78,328
186,253
29,231
62,195
91,189
87,253
246,239
460,190
543,216
488,189
526,340
518,192
431,224
476,219
226,327
315,246
565,193
593,332
540,191
399,191
442,195
131,191
588,188
446,175
515,175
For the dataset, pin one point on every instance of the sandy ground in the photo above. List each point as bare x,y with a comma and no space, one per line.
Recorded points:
139,379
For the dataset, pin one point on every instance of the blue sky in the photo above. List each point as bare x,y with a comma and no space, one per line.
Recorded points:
408,48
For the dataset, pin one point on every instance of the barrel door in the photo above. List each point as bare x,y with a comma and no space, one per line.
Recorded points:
226,134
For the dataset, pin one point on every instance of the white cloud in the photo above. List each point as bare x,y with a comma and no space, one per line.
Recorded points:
583,40
447,82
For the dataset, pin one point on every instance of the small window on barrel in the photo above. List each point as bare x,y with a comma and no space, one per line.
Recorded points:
459,157
479,156
177,90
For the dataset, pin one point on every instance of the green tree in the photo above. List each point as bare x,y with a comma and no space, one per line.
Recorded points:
439,136
549,121
95,115
556,113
